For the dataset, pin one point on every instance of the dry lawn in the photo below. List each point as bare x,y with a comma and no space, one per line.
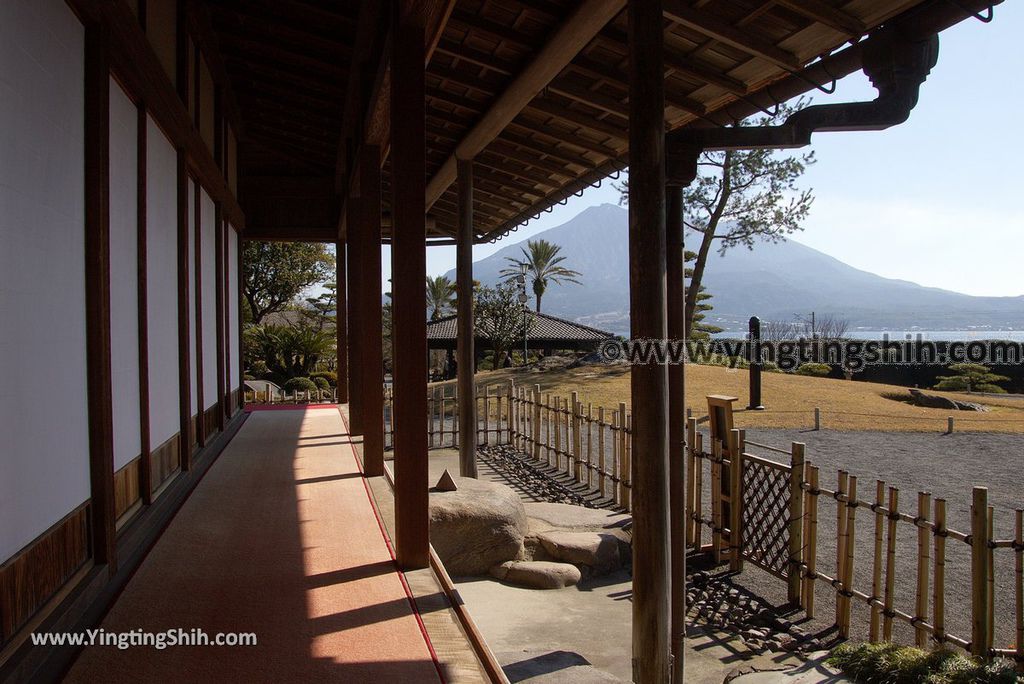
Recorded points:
789,399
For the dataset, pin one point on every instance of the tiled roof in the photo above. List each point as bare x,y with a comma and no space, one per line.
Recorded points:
542,327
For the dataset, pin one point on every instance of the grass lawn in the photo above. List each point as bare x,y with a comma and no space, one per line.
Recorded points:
789,399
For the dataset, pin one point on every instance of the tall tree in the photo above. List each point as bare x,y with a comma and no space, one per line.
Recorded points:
440,296
276,273
320,310
700,329
543,266
741,197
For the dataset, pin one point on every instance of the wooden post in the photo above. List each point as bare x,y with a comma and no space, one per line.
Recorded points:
601,463
716,499
890,563
577,438
991,579
558,433
796,514
691,462
356,327
408,253
851,545
876,567
625,452
97,298
949,425
547,427
341,319
812,541
939,585
817,418
698,492
590,445
735,493
924,504
979,573
371,352
1018,551
536,422
841,486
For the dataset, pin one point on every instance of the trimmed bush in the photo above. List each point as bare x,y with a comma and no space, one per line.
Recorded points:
817,370
248,377
299,385
885,663
329,377
321,383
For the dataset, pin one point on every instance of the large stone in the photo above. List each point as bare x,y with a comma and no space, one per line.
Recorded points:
599,551
537,574
559,516
937,401
478,526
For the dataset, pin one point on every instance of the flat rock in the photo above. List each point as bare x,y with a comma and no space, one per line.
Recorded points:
597,550
537,574
814,671
478,526
551,516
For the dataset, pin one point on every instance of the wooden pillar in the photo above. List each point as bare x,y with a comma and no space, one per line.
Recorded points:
220,279
674,273
355,326
648,319
197,282
466,332
371,343
341,320
185,436
97,294
408,253
145,455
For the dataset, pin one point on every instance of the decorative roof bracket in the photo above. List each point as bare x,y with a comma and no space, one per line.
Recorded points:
897,65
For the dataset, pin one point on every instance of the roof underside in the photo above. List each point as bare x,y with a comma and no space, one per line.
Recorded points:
542,328
288,64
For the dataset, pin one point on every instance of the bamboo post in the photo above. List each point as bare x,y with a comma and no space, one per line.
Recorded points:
876,567
716,500
570,458
979,572
698,492
991,581
844,478
939,585
430,412
616,473
600,451
924,504
627,460
796,515
558,433
1018,549
577,437
590,444
851,545
812,540
487,414
547,427
691,430
890,563
735,493
536,422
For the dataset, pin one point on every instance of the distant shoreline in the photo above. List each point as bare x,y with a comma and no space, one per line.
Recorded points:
929,335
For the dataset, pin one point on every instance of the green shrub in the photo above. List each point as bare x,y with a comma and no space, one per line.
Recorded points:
248,377
321,383
817,370
893,664
330,377
971,376
299,385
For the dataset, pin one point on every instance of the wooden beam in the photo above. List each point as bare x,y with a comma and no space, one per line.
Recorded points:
572,36
648,382
464,339
370,343
826,14
146,472
408,253
97,294
566,113
708,24
674,272
341,321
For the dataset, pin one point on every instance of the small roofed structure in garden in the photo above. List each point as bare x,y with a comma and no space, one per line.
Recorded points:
546,332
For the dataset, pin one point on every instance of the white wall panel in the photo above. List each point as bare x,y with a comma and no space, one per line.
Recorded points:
44,461
124,277
193,315
162,284
209,258
232,303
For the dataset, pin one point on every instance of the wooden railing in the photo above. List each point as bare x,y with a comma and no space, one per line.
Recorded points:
492,408
296,397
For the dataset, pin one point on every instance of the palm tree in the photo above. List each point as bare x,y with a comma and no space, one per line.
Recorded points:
543,264
440,296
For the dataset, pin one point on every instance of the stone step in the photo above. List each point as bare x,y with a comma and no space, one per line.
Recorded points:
599,552
537,574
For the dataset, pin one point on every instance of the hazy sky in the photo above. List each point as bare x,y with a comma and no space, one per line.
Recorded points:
936,200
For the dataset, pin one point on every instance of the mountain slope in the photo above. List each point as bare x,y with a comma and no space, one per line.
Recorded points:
773,281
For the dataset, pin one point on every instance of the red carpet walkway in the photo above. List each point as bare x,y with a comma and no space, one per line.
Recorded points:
280,540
